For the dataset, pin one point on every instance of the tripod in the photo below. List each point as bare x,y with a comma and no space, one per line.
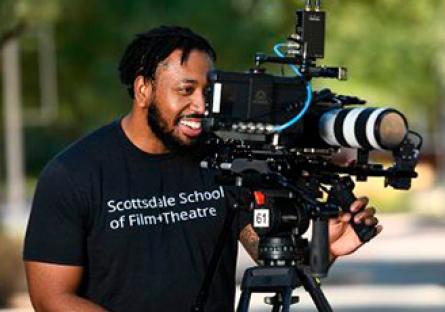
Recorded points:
285,268
281,281
286,257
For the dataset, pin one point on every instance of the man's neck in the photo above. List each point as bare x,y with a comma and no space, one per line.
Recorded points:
139,133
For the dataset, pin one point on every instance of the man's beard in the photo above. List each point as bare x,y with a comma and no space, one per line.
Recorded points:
159,127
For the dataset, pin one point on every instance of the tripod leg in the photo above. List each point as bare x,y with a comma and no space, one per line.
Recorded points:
244,300
287,298
276,308
314,290
276,304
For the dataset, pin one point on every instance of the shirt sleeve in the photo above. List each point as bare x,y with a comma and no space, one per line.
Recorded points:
56,227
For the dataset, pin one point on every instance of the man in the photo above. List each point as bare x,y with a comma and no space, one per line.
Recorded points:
124,219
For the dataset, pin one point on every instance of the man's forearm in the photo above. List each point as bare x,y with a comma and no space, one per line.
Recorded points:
250,240
66,302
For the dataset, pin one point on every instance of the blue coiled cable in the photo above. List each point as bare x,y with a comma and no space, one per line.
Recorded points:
308,101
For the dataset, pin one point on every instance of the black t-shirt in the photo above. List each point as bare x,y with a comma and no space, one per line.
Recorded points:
142,226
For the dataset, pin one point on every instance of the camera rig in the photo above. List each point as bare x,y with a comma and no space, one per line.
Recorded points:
278,139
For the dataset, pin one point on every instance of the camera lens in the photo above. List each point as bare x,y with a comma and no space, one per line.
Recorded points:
368,128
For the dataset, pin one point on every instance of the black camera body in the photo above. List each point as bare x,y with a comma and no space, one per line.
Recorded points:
247,106
251,103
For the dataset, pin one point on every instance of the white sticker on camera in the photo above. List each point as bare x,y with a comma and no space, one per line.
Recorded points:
216,105
261,218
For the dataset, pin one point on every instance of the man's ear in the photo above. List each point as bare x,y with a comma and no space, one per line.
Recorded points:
143,89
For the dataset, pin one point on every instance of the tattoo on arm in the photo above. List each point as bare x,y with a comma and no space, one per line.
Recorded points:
249,238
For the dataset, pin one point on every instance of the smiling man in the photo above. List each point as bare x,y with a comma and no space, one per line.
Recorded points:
110,228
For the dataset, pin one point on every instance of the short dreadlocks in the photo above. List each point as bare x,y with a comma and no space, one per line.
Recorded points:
148,49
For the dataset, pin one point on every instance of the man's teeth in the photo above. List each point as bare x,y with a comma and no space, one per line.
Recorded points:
191,124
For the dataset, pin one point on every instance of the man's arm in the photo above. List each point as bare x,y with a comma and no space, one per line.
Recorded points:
250,239
53,287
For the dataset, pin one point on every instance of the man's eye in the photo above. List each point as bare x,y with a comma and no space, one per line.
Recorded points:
186,90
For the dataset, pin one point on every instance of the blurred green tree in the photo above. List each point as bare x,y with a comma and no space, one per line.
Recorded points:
18,16
394,50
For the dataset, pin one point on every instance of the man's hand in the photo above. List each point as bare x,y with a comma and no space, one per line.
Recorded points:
342,238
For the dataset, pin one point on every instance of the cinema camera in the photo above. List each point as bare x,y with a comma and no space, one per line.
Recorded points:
277,137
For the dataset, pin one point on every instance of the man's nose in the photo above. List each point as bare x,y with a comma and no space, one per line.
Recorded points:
199,103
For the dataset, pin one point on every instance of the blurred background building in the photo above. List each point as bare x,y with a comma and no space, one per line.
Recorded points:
59,81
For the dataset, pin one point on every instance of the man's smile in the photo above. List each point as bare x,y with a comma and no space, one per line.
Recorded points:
191,127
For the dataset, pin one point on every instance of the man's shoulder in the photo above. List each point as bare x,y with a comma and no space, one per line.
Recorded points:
90,149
